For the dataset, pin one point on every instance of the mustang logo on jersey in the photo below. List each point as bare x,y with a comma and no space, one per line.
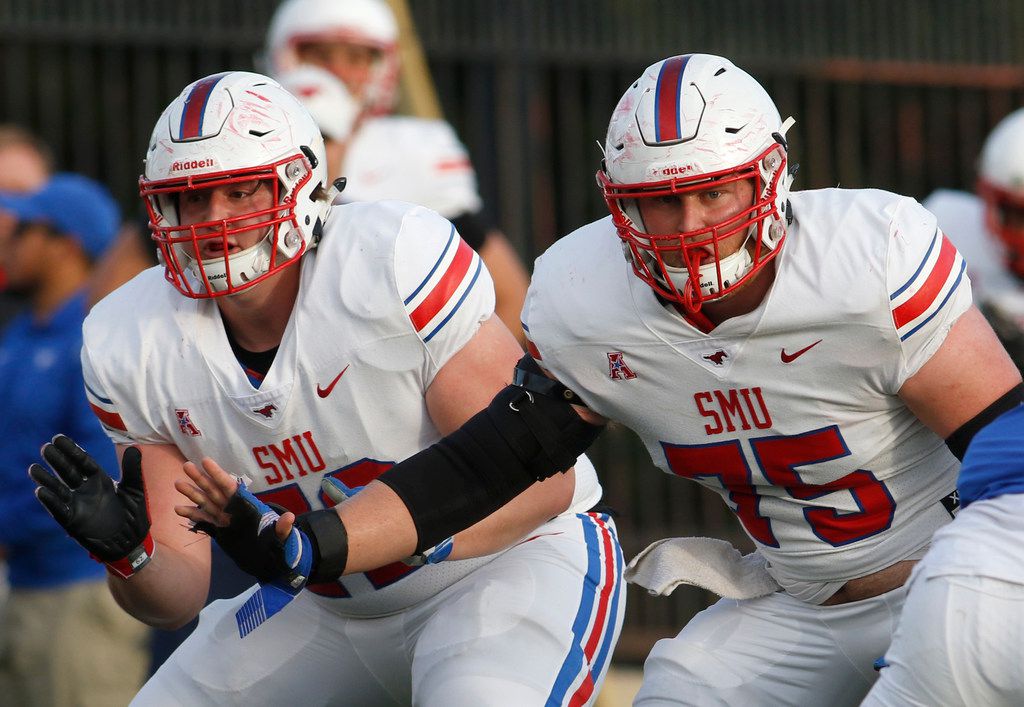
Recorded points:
186,424
617,368
727,408
717,358
267,410
293,456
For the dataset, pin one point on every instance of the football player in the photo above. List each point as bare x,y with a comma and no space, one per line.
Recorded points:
988,229
813,357
295,341
958,641
389,156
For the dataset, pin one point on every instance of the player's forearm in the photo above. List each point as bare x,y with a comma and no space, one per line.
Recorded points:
379,527
167,593
517,519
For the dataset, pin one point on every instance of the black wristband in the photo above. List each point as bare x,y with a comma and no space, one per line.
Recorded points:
329,539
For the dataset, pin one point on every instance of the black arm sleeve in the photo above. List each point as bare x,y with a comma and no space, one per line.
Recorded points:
520,438
962,436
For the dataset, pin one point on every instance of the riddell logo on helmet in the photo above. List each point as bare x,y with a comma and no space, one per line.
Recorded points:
670,171
191,164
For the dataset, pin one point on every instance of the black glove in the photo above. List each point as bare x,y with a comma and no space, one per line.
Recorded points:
110,520
251,541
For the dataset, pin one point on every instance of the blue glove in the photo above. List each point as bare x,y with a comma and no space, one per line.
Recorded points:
250,539
338,492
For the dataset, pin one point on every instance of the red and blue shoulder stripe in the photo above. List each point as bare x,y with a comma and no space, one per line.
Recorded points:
105,411
925,293
446,286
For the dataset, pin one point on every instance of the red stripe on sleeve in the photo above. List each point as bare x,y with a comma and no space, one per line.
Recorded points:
110,419
668,99
453,165
444,289
923,298
533,350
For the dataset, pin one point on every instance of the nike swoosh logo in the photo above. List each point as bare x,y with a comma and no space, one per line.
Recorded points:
324,392
789,358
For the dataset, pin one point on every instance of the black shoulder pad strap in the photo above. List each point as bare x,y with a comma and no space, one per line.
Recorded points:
962,436
529,376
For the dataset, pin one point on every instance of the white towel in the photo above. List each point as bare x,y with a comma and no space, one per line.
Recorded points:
710,563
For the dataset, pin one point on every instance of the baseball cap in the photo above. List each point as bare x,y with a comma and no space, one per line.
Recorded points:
73,205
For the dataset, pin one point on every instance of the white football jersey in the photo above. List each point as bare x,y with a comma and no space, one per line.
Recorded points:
388,297
790,411
413,159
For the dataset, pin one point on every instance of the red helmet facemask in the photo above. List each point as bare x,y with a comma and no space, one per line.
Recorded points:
181,246
706,274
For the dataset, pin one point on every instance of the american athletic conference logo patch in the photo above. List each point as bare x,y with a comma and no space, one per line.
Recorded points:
617,368
186,424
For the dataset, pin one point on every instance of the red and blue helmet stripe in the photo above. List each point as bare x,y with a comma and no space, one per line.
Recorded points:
667,119
191,125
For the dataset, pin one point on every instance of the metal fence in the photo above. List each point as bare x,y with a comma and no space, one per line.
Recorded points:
896,94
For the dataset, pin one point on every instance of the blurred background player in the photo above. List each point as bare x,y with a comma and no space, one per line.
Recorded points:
65,640
958,642
414,159
988,229
333,108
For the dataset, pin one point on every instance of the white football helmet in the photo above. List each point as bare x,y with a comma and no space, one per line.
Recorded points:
688,123
325,97
368,23
224,129
1001,186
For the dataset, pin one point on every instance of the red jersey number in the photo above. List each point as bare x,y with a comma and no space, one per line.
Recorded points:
777,457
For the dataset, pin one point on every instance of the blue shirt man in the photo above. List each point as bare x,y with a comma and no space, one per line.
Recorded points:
63,639
41,386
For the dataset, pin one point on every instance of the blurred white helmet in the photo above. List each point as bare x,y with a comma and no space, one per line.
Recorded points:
1001,186
688,123
369,23
325,97
232,128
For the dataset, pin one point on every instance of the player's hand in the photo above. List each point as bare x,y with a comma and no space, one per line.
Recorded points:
260,540
338,492
110,520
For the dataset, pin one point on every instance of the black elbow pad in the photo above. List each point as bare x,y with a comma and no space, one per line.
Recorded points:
520,438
